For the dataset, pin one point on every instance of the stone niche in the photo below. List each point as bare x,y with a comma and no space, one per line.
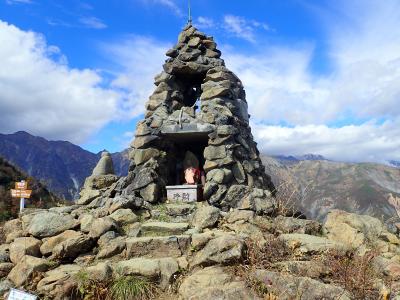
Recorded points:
199,106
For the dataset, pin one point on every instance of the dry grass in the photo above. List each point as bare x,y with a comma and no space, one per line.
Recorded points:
261,257
117,288
2,235
354,273
288,196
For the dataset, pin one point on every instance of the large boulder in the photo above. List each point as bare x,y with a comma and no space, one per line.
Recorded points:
205,217
70,248
356,230
24,246
57,282
156,247
161,269
295,225
23,271
49,244
288,287
224,250
102,225
48,224
310,244
214,283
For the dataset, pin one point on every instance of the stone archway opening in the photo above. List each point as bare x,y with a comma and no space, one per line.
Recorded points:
185,150
191,88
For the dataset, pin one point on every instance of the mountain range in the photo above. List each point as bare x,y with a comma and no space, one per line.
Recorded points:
311,182
60,165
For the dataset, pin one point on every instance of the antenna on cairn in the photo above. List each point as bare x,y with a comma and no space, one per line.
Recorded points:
190,14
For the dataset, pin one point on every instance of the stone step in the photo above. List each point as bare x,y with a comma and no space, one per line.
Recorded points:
155,228
158,246
176,209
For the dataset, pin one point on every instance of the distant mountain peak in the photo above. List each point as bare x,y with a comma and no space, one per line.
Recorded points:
394,163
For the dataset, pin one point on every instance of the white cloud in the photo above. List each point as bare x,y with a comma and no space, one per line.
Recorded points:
204,23
42,95
137,60
242,27
170,4
92,22
11,2
367,142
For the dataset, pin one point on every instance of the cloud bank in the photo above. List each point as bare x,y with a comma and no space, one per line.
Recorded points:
42,95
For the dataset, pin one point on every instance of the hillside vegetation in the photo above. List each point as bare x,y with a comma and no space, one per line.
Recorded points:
9,207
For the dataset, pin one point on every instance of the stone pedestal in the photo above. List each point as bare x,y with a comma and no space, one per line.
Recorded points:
184,193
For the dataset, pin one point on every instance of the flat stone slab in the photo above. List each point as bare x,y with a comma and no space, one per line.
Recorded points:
164,228
192,128
306,243
157,247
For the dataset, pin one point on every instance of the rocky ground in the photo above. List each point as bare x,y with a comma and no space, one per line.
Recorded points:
196,251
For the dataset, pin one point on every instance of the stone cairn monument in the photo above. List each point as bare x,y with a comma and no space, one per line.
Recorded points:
217,131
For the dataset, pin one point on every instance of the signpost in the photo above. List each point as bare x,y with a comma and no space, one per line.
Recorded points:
21,191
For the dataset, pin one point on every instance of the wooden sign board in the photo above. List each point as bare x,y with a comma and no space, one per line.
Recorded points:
21,193
20,295
22,185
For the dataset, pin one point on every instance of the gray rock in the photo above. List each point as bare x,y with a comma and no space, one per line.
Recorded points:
214,152
288,287
238,172
100,272
49,244
205,217
86,221
294,225
112,248
179,209
239,215
24,246
214,283
222,250
104,166
87,196
156,247
310,244
120,202
23,271
72,247
48,224
150,193
142,141
163,228
143,155
102,225
124,216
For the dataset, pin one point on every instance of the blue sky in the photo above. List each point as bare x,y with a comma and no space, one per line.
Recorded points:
321,76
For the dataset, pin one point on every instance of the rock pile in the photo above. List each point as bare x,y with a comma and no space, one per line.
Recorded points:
196,75
197,245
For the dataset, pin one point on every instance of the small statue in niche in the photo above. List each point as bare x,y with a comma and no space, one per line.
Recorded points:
191,169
